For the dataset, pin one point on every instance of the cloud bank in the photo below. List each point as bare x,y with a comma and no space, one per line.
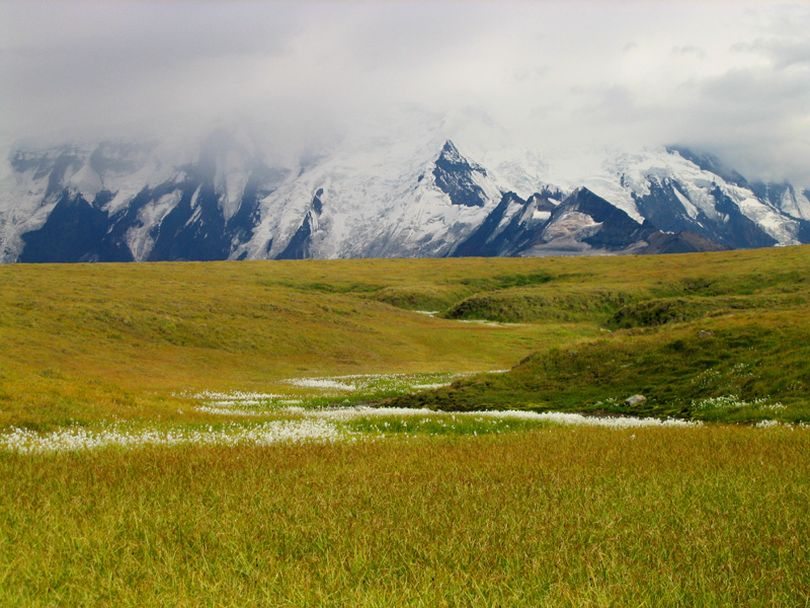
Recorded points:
731,78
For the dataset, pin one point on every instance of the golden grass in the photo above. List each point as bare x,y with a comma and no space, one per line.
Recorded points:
85,342
714,516
710,516
91,341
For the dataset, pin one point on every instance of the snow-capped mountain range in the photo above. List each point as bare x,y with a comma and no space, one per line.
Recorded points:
379,197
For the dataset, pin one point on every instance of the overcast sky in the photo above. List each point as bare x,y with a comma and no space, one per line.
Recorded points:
731,77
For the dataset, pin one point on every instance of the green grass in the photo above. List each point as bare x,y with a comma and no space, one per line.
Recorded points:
414,510
86,342
440,425
723,340
523,306
762,358
90,342
554,517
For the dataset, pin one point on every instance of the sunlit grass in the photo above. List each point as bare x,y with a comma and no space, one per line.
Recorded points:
554,516
84,343
202,434
441,425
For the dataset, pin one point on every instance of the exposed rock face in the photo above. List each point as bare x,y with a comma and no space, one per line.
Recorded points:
456,177
121,201
634,400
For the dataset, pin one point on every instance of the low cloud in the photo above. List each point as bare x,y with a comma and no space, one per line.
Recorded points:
689,49
549,75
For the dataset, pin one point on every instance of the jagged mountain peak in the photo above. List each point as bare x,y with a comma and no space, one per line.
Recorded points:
449,148
460,178
451,158
450,153
376,195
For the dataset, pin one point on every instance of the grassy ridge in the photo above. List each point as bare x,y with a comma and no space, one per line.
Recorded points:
740,368
84,342
89,342
713,342
557,517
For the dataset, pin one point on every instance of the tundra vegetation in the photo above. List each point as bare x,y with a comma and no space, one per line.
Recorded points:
407,432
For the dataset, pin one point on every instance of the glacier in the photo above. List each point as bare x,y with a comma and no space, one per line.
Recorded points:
384,194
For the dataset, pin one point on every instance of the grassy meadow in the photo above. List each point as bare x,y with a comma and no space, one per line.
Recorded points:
254,433
715,516
90,342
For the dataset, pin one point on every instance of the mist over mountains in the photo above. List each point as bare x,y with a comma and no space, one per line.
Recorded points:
169,130
404,194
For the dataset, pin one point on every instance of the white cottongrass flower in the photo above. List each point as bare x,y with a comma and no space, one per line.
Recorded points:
239,403
382,382
616,422
487,323
72,439
352,413
232,396
227,411
343,414
235,402
732,402
426,387
321,383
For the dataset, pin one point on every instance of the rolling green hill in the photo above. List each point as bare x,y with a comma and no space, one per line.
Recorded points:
85,342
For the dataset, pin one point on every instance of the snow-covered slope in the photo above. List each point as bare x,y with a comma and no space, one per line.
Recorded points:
392,199
405,194
677,194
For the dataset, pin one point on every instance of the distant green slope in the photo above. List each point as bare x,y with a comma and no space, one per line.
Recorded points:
84,342
713,341
746,367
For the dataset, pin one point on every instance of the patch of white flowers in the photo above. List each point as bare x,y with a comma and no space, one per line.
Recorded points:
239,403
303,417
487,323
344,414
357,386
767,424
352,413
727,402
321,383
428,387
706,378
377,383
232,396
75,438
227,411
616,422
